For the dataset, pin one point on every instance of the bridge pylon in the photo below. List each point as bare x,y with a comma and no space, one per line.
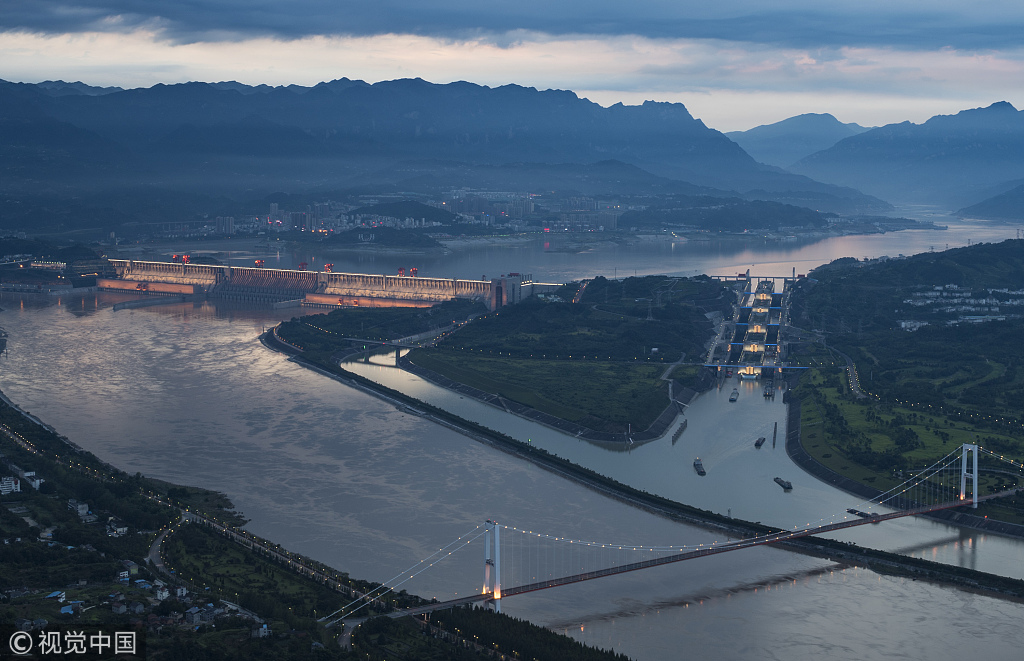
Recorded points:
971,448
492,563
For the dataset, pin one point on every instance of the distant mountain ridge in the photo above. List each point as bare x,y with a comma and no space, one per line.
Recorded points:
61,88
786,142
950,158
228,134
1005,206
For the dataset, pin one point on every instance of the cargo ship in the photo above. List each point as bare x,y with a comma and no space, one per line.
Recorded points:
759,442
735,395
699,467
785,484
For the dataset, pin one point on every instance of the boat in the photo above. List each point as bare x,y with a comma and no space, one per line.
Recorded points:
863,515
785,484
699,467
728,374
759,442
735,395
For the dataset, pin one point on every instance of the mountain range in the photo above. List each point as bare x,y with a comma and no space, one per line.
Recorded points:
231,140
229,137
786,142
950,160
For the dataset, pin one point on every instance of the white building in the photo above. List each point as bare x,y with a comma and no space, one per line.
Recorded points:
9,485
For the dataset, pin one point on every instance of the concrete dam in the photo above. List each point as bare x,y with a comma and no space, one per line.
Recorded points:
313,288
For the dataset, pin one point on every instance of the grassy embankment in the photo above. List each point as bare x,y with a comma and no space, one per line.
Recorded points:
594,394
928,391
597,362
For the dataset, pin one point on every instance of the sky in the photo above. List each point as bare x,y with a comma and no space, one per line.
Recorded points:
734,63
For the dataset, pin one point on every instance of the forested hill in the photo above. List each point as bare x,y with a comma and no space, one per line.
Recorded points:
937,329
849,295
980,265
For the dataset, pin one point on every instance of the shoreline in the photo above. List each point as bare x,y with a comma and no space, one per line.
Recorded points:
882,562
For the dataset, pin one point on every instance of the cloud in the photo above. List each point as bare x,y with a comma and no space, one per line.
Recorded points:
806,24
730,85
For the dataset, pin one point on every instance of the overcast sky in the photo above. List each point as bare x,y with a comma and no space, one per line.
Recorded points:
733,63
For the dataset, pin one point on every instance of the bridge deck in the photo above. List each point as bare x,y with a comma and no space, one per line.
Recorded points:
679,557
733,546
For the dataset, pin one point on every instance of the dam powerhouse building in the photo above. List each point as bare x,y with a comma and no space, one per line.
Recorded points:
314,288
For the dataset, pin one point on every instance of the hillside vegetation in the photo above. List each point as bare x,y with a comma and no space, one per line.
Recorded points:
935,339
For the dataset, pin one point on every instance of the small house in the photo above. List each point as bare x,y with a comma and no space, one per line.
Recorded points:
193,616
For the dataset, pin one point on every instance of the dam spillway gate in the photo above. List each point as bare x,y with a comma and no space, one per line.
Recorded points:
311,288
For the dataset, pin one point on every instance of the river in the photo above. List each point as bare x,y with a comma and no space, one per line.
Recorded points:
186,393
555,258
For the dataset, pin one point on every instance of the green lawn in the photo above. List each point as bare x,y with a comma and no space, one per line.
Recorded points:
601,395
868,441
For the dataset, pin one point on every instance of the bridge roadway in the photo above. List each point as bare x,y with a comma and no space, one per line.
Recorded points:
774,538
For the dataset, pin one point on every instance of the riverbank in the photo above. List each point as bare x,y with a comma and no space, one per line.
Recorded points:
881,561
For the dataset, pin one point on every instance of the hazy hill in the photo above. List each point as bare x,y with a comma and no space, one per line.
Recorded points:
229,135
603,177
722,214
407,209
35,148
1007,206
786,142
949,159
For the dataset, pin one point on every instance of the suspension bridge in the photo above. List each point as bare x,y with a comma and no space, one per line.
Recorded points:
519,561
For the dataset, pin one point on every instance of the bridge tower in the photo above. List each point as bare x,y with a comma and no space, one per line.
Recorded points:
973,449
492,563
